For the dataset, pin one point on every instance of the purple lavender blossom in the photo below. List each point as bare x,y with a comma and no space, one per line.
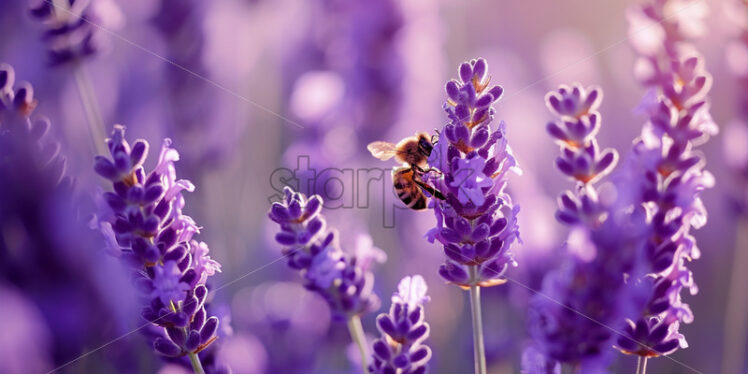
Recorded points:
72,27
672,176
343,280
661,31
477,223
578,124
144,221
573,319
24,137
534,362
400,349
581,159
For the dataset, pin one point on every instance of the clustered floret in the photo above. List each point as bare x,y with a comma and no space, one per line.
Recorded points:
143,223
477,221
342,279
400,349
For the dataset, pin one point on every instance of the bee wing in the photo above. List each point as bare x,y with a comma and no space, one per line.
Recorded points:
382,150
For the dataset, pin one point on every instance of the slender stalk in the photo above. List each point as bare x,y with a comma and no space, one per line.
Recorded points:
736,320
478,348
197,366
641,365
85,89
90,107
358,337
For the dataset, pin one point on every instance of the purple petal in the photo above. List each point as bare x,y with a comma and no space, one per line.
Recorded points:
166,347
208,330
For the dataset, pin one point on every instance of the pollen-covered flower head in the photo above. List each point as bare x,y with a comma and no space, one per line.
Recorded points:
476,222
469,180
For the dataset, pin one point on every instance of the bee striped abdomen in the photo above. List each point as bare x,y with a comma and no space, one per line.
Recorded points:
419,203
407,190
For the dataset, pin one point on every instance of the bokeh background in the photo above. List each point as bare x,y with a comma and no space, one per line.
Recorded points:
247,87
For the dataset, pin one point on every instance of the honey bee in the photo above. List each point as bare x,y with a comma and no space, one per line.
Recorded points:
413,152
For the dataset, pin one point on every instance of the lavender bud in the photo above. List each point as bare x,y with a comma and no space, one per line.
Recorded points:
400,349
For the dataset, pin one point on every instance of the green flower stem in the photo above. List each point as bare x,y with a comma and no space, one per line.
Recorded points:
90,107
85,90
478,347
197,366
358,337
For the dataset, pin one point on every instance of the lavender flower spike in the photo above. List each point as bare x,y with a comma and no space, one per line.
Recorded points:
399,350
581,159
23,137
72,27
671,179
476,222
575,130
569,318
73,35
342,279
145,226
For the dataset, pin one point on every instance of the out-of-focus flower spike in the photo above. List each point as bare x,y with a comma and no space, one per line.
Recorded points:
72,27
671,177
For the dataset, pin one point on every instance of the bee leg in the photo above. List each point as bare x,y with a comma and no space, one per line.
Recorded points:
433,191
422,170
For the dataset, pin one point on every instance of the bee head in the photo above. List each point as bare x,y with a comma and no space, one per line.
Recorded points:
425,146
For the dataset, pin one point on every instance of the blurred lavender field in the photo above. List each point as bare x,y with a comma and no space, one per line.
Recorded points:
100,271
